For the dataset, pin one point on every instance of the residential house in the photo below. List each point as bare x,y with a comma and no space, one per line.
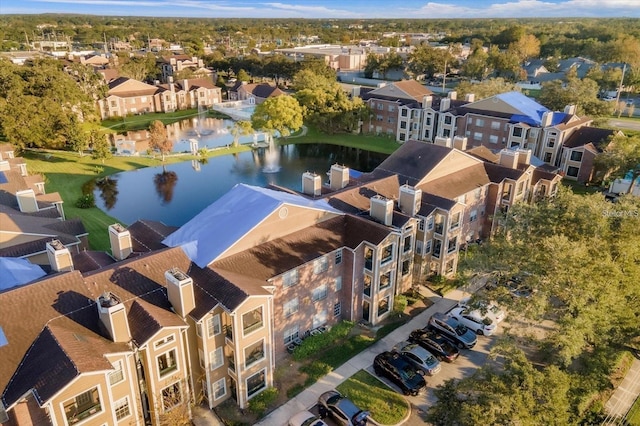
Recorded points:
254,93
170,66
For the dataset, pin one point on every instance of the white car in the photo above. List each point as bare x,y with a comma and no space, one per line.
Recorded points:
489,309
474,320
306,418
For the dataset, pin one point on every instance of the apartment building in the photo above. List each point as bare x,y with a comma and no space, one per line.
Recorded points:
206,312
580,150
254,93
172,65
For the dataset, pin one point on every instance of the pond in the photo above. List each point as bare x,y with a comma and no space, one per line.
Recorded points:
175,193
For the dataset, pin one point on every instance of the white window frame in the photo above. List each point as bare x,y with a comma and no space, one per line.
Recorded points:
290,307
168,339
246,383
120,370
290,278
177,369
213,363
320,293
338,259
216,387
264,354
213,322
85,420
291,334
338,283
121,403
320,265
167,409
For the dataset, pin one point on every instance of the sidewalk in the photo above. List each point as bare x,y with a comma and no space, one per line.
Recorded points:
309,396
624,396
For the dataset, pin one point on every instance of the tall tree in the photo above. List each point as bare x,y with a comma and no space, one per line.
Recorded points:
100,146
486,88
622,157
158,138
282,114
240,128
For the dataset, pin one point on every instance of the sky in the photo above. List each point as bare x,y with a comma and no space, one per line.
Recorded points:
341,9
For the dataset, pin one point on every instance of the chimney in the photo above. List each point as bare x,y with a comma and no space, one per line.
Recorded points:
113,316
445,104
570,109
59,256
409,200
120,240
185,85
524,156
508,158
453,95
27,201
180,291
442,141
156,82
338,177
470,97
427,101
547,119
311,184
460,142
381,209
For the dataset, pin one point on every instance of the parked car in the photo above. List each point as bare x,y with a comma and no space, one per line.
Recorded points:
517,288
341,409
422,359
396,368
306,418
459,335
474,321
488,308
435,343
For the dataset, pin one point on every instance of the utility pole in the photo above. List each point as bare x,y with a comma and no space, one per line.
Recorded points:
624,70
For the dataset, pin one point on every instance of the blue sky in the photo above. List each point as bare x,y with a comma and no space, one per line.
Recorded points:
347,9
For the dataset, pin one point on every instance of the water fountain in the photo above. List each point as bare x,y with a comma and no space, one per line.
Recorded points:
271,155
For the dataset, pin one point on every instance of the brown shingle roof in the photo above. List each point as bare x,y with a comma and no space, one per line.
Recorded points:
586,135
356,200
86,261
145,320
498,173
455,184
147,235
483,153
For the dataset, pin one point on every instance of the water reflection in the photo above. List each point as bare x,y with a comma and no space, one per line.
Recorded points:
175,193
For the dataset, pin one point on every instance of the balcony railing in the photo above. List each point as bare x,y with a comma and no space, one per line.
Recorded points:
88,412
252,327
228,332
167,370
438,228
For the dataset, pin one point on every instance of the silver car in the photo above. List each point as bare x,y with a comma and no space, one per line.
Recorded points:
419,357
341,409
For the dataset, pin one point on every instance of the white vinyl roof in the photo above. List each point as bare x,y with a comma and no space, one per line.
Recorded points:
216,228
16,271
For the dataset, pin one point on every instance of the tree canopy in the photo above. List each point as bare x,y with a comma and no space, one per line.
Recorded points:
281,113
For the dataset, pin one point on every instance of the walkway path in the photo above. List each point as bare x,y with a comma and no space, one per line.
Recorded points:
624,396
363,360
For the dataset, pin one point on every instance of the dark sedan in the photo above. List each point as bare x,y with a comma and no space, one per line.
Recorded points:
435,343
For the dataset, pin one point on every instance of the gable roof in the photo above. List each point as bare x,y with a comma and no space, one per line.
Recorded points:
585,135
406,89
127,87
145,320
515,105
461,182
204,244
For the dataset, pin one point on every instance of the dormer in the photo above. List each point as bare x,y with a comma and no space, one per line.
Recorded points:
113,315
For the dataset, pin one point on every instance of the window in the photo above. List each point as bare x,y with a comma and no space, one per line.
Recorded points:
430,223
455,220
383,306
256,383
427,134
380,107
517,132
439,223
253,353
479,122
449,267
447,119
82,406
385,280
219,389
418,247
404,112
453,244
290,278
171,396
213,326
473,215
576,156
201,358
520,188
407,244
368,258
403,137
421,225
367,285
437,247
506,191
493,139
387,254
406,267
252,321
290,308
164,341
427,121
338,283
320,265
391,108
291,334
337,309
216,358
121,408
319,293
118,375
495,125
379,117
403,124
477,136
446,133
167,362
199,329
339,257
551,142
572,171
547,157
427,247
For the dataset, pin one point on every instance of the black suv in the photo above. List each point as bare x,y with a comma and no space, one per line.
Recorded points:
435,343
450,328
397,369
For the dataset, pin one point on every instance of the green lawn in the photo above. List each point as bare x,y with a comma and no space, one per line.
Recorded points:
633,416
65,172
386,406
140,122
580,188
381,144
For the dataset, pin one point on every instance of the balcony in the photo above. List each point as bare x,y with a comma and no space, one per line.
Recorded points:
438,228
228,332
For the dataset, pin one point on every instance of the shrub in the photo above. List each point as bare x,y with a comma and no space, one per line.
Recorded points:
85,201
315,370
400,303
312,344
294,390
259,403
